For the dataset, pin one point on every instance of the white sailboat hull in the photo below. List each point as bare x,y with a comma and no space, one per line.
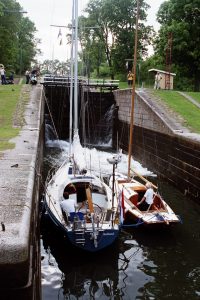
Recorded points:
89,230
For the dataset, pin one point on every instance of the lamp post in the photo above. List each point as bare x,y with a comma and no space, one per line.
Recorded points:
90,44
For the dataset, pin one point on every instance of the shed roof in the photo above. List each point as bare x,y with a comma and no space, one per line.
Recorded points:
161,71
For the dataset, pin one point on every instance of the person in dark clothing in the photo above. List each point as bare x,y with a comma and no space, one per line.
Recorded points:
11,78
3,75
27,74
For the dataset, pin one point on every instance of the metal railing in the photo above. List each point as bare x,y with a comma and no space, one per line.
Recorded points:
90,83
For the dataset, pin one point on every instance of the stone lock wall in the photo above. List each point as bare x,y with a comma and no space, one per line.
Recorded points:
158,145
19,205
144,116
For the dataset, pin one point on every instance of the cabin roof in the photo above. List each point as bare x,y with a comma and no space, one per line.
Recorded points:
161,71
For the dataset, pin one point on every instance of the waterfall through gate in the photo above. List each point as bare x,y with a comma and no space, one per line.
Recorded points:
97,130
50,134
105,126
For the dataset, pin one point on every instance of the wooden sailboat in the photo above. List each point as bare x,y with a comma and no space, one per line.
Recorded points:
131,191
79,203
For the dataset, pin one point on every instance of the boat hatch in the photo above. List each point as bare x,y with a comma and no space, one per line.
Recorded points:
80,189
70,170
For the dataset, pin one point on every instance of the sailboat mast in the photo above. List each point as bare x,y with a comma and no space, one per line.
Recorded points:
76,67
71,81
133,92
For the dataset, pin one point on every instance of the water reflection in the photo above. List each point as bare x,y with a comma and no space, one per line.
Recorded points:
81,275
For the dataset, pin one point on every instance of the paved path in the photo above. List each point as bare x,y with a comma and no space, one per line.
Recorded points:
190,99
19,197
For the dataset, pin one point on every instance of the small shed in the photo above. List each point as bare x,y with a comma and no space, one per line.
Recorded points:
167,81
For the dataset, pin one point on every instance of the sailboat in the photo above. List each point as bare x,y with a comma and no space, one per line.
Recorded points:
82,206
131,191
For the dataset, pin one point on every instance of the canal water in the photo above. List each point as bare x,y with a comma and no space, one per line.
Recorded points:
142,264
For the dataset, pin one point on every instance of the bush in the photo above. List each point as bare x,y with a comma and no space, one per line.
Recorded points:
104,71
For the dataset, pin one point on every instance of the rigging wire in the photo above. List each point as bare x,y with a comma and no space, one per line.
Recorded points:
51,46
51,117
156,153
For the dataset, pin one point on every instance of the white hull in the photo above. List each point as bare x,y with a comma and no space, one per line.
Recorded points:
131,192
94,224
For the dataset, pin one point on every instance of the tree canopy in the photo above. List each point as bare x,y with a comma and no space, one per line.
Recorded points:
55,67
181,18
18,45
107,33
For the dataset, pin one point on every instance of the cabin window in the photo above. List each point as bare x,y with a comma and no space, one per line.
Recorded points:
97,189
70,170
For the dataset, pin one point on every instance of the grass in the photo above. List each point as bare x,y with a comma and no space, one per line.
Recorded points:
9,97
179,104
123,85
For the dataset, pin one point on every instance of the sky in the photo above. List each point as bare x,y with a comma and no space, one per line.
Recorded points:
45,13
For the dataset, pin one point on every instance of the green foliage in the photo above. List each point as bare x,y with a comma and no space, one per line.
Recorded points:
112,38
182,20
121,76
104,71
144,66
55,67
18,45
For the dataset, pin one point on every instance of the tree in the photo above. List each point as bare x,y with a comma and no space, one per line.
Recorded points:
26,45
114,23
181,18
55,67
18,45
92,47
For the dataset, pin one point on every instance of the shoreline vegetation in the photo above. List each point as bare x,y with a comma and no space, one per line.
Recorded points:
13,99
9,98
